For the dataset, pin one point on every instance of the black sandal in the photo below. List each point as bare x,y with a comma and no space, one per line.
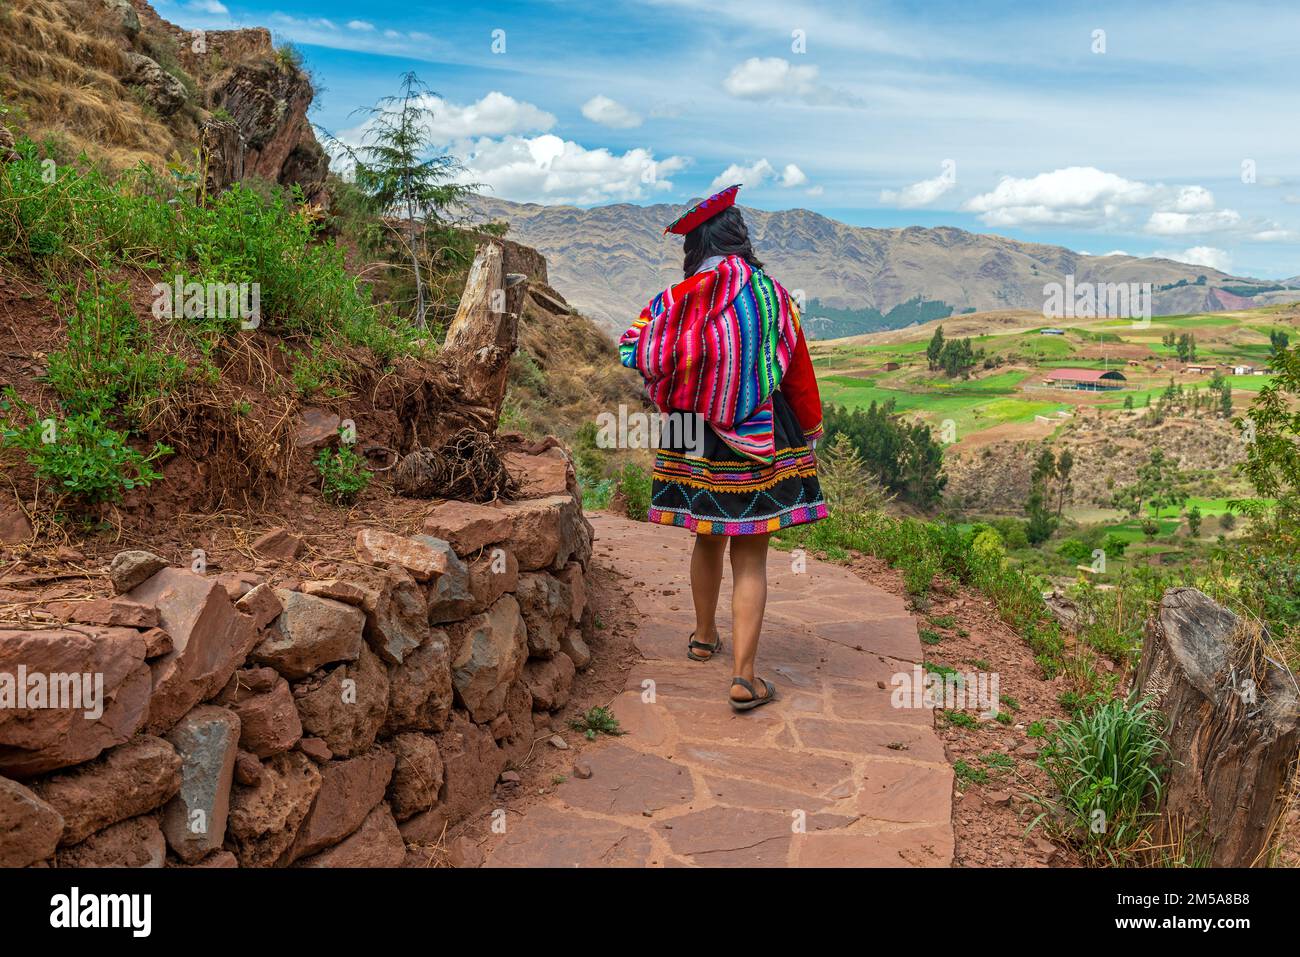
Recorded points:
755,701
712,649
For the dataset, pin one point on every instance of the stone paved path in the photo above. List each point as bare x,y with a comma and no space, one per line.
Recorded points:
829,775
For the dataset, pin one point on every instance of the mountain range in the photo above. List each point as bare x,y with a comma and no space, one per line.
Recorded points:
608,261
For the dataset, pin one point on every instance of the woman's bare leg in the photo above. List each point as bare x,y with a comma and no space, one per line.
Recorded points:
706,579
748,599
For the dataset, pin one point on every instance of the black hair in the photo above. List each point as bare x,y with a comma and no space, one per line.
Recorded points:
722,235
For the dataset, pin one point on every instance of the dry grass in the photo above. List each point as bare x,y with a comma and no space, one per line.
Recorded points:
62,65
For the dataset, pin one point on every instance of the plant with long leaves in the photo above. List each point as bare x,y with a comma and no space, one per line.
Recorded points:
1107,769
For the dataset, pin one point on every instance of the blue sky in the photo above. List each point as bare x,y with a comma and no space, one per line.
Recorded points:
1151,129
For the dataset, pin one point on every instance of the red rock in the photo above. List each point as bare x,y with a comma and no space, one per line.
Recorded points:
467,526
316,428
538,475
309,634
157,643
268,717
548,532
396,611
133,567
35,740
492,575
194,821
32,827
219,859
420,693
137,842
131,779
384,548
210,639
14,527
336,589
316,749
545,604
248,770
549,680
349,790
464,853
471,763
345,708
489,653
260,603
264,819
417,776
239,584
572,577
280,544
450,598
118,612
377,843
573,646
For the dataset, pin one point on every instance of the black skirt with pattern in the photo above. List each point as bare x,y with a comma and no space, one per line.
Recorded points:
721,492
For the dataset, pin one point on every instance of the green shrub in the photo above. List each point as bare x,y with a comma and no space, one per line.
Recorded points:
111,363
635,484
343,474
1106,768
80,455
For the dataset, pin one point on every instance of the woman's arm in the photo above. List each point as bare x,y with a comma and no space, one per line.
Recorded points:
799,385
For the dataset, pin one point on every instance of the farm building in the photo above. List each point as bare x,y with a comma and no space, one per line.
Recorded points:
1087,380
1051,332
1243,370
1196,369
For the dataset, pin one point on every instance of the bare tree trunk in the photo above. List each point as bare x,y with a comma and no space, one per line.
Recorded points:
420,320
483,336
1233,728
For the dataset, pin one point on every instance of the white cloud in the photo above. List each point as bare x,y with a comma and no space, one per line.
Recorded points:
548,169
361,25
1076,195
761,78
1193,199
919,194
1085,196
215,7
751,175
1117,252
815,190
793,176
1275,234
1172,223
1200,256
601,109
496,114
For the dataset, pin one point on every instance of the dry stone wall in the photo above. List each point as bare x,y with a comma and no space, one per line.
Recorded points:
245,722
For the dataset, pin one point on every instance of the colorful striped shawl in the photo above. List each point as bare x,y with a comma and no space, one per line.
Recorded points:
718,344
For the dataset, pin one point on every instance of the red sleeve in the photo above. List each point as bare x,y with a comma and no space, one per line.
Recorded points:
799,386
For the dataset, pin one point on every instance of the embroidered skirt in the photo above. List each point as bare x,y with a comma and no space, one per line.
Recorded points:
723,493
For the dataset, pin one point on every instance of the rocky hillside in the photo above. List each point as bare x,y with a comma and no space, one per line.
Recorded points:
113,79
1108,449
609,260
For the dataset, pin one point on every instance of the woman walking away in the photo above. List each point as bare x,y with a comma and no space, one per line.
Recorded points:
725,344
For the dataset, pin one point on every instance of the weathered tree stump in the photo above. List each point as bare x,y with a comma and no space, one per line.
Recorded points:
1233,728
483,335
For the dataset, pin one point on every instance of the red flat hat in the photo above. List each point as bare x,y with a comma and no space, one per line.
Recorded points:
706,209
